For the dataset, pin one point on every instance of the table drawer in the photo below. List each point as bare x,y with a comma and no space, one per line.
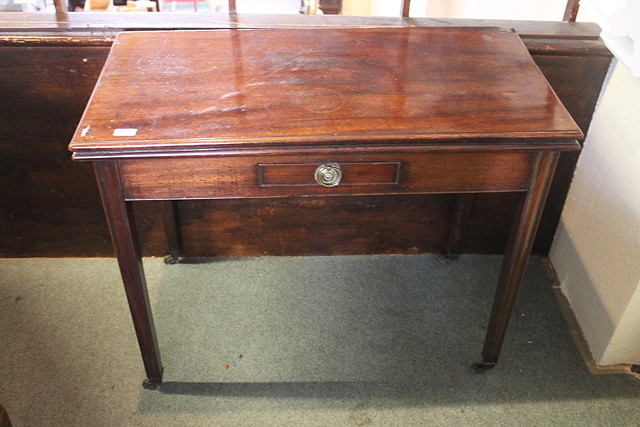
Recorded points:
291,175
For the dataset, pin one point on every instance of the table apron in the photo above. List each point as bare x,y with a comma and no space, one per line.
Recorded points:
247,176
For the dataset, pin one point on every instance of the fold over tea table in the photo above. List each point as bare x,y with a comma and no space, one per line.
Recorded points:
315,112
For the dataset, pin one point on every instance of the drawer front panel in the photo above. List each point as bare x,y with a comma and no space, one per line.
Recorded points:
358,173
291,175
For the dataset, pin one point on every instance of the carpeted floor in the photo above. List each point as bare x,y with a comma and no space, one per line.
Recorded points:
326,341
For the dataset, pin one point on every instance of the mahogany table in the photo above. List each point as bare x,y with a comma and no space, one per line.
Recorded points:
288,113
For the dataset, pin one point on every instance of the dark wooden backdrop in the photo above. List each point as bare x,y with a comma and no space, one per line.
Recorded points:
50,205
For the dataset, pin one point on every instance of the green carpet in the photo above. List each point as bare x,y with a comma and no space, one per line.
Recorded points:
304,341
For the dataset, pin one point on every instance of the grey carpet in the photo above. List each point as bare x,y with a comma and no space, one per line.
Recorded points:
305,341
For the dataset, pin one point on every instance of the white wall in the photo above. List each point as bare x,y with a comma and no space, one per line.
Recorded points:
597,247
540,10
372,7
356,7
596,251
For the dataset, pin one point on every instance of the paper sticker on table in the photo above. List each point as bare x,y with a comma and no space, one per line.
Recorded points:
125,132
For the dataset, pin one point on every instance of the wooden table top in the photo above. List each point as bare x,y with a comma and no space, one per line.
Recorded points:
185,90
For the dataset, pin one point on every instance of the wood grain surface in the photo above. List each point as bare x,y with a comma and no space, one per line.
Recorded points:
179,90
50,205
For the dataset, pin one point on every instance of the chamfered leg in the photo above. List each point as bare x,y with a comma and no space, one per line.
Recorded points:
517,253
122,228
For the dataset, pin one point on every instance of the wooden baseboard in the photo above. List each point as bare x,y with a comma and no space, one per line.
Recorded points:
578,336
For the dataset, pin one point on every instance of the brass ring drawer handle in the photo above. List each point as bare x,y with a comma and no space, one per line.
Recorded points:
328,175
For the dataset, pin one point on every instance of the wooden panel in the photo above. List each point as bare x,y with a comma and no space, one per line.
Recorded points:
50,206
230,177
105,25
328,225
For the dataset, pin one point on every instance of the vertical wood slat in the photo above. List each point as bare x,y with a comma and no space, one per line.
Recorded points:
61,6
461,217
571,11
173,235
406,4
232,6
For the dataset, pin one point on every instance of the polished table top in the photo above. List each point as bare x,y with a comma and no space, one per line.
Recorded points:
167,91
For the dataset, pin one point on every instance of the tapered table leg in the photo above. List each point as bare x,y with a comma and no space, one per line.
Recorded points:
517,253
171,219
121,223
461,214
